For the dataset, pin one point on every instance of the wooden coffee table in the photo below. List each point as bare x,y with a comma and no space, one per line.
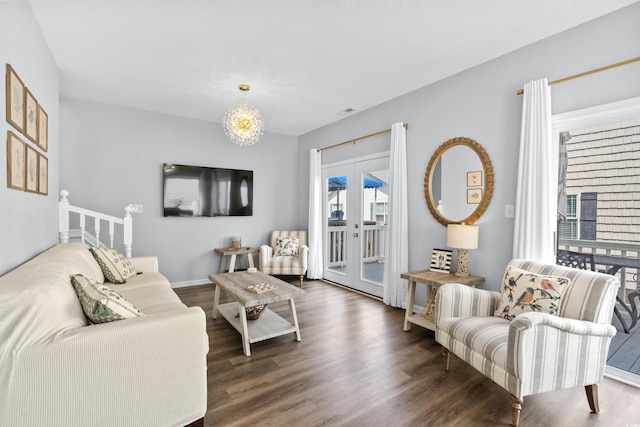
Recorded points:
270,324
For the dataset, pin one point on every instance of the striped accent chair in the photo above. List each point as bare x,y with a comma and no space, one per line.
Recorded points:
535,352
294,264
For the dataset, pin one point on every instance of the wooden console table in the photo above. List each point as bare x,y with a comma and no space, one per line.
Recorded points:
433,280
228,252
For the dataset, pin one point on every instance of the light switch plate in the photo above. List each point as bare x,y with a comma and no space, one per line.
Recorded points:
509,211
136,208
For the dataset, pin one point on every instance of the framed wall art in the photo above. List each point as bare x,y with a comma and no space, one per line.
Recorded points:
15,161
43,175
441,260
31,170
15,99
474,196
474,179
30,116
43,129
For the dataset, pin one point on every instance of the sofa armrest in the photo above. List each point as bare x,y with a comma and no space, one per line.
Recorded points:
145,264
457,300
151,368
557,345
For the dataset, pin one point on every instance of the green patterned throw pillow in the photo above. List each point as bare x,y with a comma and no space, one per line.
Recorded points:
523,291
115,267
100,303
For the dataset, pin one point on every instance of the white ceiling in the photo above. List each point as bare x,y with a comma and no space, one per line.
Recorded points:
305,60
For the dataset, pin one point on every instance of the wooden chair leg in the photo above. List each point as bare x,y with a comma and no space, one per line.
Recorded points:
516,407
592,397
301,279
446,355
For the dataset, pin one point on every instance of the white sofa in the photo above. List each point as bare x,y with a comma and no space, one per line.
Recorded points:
58,369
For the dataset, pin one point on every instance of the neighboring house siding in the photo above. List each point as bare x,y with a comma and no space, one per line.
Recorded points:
606,160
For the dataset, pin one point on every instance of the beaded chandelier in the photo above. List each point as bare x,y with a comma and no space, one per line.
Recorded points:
242,123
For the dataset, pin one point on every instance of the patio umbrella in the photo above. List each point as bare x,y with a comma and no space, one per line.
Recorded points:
337,183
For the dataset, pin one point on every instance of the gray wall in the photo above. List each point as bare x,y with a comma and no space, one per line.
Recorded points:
113,156
481,104
28,221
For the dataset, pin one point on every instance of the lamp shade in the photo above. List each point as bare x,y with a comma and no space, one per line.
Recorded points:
462,236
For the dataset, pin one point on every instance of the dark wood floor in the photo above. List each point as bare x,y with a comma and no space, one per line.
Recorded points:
356,367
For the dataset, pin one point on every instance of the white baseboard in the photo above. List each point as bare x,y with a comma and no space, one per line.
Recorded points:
191,283
622,376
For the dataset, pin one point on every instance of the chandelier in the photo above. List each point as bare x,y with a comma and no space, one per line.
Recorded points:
242,123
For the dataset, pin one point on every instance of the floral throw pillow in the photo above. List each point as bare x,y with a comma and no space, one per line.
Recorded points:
115,267
287,246
100,303
523,291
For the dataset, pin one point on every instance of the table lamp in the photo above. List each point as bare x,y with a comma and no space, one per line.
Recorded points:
462,237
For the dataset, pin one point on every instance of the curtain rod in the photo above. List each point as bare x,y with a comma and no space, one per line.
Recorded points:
354,140
586,73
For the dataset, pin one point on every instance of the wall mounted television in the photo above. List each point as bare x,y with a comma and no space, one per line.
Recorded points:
200,191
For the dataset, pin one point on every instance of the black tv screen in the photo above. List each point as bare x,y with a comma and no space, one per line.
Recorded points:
197,191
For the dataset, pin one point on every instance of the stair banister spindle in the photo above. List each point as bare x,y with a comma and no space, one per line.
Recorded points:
82,227
96,227
128,231
111,234
63,217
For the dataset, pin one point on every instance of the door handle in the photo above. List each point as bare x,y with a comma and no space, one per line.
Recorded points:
355,234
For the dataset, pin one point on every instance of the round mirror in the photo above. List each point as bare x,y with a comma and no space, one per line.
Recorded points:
458,182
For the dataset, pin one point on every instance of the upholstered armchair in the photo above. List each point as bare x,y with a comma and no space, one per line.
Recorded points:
286,254
537,351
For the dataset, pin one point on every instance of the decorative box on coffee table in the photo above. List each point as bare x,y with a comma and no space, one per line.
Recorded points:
268,324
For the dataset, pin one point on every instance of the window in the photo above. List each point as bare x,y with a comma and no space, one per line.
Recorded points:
568,227
599,179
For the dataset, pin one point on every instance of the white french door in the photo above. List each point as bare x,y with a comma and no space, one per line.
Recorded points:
356,207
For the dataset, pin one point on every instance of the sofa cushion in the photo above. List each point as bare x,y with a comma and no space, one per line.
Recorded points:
523,291
116,268
100,303
287,246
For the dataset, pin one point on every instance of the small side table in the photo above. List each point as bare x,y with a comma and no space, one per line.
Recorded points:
226,252
433,280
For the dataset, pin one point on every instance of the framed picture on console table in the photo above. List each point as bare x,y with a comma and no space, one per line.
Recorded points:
441,260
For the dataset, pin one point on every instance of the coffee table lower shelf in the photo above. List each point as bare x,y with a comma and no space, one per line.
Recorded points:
269,325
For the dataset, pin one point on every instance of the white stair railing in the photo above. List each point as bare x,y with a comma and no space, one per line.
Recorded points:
65,210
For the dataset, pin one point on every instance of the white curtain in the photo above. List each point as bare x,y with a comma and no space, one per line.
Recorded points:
536,195
314,266
395,288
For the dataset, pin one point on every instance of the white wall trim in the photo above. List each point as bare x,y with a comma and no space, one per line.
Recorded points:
622,376
186,283
597,115
358,159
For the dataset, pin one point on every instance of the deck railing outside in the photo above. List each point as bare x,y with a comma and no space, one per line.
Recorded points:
373,244
628,275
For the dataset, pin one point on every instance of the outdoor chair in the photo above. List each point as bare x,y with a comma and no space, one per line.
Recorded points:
584,261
